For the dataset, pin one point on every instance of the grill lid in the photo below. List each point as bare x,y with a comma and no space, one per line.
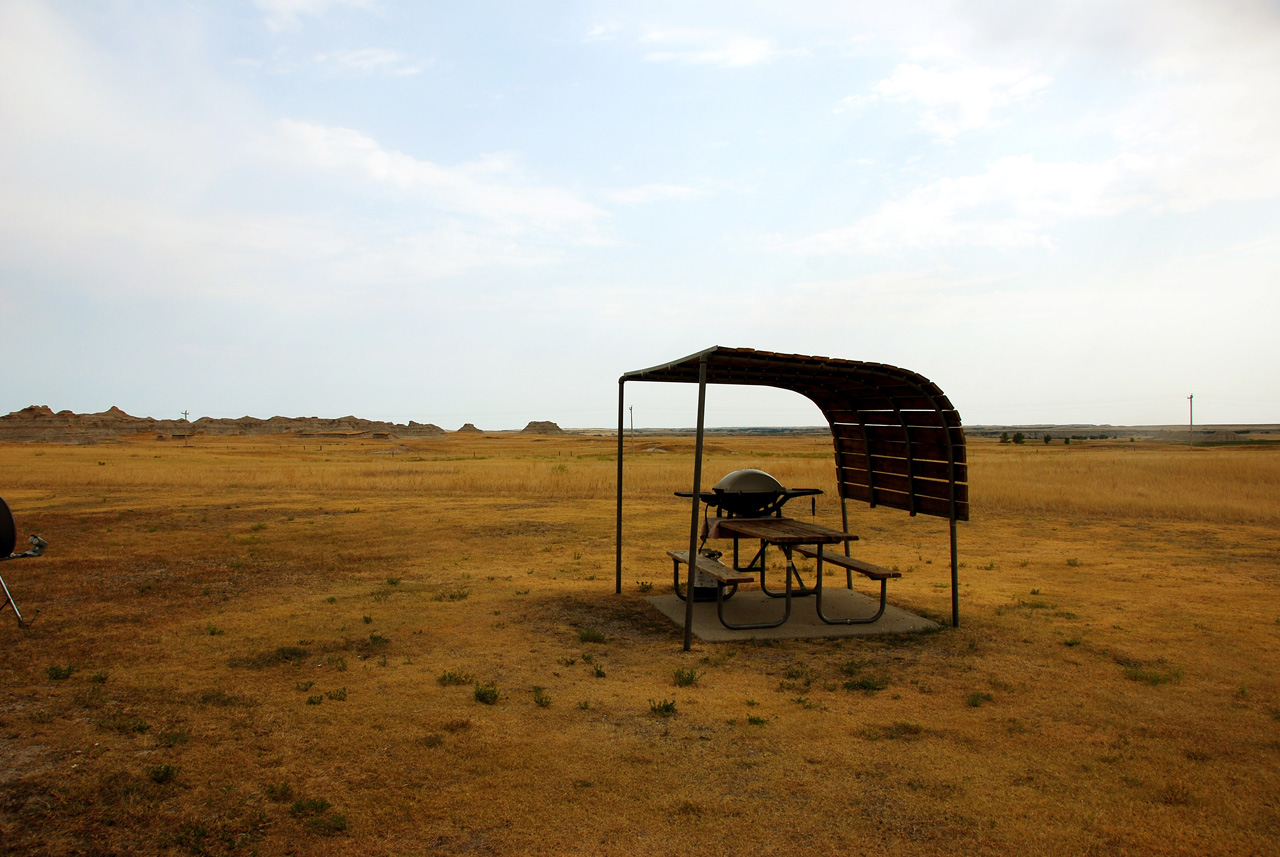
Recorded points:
748,482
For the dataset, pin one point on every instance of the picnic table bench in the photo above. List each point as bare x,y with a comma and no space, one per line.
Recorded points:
850,565
713,567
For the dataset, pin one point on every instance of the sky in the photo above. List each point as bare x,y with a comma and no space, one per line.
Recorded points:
1060,212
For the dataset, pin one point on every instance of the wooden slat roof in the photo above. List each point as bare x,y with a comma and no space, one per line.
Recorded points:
898,439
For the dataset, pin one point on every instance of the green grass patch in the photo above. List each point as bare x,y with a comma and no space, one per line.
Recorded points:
686,677
162,774
868,684
222,699
263,660
308,807
453,677
665,708
123,723
900,730
1153,677
279,792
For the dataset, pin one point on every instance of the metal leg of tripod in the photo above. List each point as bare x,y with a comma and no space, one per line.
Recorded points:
37,548
9,602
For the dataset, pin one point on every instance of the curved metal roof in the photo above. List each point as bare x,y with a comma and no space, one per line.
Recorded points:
898,439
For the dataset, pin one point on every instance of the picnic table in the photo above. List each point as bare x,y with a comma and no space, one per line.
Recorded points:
788,534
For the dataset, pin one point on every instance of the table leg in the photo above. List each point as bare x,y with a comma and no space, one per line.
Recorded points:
818,600
786,613
800,591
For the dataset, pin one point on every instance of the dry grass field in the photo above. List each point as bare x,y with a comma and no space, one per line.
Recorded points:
289,646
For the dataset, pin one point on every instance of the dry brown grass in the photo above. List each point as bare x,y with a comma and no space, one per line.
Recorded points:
1112,688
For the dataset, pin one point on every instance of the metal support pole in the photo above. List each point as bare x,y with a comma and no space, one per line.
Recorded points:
1191,422
955,580
844,519
618,584
697,501
9,602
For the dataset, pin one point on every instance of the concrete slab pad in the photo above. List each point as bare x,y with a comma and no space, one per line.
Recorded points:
755,606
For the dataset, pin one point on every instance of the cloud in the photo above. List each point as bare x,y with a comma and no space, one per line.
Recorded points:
489,189
1013,204
703,47
602,33
955,100
288,14
1206,120
369,61
642,194
119,190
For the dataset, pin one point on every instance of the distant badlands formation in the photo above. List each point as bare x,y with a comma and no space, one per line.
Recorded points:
39,423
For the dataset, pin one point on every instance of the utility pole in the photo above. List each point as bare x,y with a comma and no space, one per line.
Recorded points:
186,418
1191,422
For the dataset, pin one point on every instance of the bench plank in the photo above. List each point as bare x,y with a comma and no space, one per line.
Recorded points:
713,567
874,572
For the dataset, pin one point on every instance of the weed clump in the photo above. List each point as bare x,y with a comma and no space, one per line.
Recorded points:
279,792
263,660
328,825
222,699
899,730
665,708
57,673
486,694
122,723
1153,677
307,807
162,774
590,635
686,676
868,684
453,677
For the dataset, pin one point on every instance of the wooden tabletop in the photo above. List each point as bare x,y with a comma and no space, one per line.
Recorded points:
784,531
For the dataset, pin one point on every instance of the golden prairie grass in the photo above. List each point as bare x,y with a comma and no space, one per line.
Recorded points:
274,646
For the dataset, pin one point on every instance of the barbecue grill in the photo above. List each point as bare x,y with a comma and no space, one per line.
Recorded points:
741,494
749,494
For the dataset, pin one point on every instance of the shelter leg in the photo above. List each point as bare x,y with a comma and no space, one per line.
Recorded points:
618,536
955,580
